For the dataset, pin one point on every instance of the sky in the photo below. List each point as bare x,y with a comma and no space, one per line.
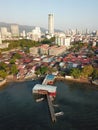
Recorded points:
68,14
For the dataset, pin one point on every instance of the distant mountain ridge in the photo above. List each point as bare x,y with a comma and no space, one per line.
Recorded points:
27,28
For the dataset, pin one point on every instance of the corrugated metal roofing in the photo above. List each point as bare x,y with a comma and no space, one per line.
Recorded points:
48,88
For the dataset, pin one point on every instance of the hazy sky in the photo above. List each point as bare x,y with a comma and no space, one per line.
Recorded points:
67,13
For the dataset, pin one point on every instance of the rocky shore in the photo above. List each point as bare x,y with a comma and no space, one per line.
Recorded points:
82,80
3,82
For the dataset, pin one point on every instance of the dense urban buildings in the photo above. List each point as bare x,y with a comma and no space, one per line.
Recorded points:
62,38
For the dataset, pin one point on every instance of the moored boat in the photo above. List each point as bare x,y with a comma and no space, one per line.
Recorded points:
39,100
95,82
59,113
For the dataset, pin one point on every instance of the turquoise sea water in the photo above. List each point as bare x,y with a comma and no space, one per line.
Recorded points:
19,111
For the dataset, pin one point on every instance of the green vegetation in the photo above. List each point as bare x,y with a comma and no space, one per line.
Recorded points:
23,44
95,74
3,66
48,41
42,70
3,73
14,69
87,71
75,72
8,69
16,56
12,61
3,70
76,46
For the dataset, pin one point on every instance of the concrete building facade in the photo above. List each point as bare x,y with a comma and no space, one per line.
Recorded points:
15,30
34,51
0,40
62,40
36,34
4,33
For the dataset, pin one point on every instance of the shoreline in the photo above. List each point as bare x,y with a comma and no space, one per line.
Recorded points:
73,80
3,82
58,78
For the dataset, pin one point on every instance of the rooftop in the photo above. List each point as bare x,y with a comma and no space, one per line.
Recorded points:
48,88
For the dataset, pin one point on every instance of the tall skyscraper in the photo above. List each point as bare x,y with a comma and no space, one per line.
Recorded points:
50,24
15,30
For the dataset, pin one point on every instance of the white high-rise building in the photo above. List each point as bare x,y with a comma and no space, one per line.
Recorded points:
62,40
24,33
15,30
36,34
51,24
4,32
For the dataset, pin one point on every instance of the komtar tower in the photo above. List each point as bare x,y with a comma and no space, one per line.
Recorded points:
51,24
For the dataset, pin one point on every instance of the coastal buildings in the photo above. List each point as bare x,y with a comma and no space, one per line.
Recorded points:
51,24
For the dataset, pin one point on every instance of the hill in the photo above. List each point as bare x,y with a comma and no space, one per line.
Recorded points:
27,28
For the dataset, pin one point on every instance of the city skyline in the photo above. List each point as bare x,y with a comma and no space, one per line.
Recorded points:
67,13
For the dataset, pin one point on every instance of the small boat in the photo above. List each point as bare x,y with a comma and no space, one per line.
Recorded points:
39,100
95,82
59,113
56,105
33,79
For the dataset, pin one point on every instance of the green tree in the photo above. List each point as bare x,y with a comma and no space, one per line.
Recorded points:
12,61
3,73
21,44
95,74
3,66
87,71
14,69
17,56
42,70
46,41
38,72
75,72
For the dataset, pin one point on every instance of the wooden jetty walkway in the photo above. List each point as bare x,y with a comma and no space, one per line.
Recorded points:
51,108
46,89
50,104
